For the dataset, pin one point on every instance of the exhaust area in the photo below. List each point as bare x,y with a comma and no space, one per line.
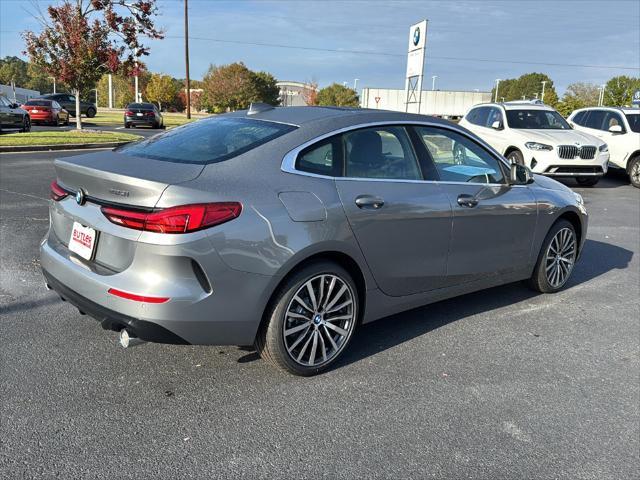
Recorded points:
127,340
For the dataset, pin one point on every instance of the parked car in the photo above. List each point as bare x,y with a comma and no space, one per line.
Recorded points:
68,102
46,111
539,137
620,129
12,117
138,114
288,227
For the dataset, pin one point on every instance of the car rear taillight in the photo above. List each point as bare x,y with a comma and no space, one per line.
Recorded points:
129,113
182,219
150,114
57,192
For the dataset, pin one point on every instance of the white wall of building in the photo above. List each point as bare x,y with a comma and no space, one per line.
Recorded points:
440,103
22,94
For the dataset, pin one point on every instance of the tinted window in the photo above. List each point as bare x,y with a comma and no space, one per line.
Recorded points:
141,106
39,103
4,102
634,121
595,119
536,120
459,159
579,118
478,116
208,141
495,115
384,152
611,119
56,105
321,159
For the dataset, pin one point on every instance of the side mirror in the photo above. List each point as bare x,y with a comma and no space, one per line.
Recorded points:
520,175
14,105
615,129
497,125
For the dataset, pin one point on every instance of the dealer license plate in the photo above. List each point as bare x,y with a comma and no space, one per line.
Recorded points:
83,240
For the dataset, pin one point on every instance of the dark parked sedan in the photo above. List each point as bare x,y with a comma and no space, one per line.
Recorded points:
288,227
68,102
140,114
12,117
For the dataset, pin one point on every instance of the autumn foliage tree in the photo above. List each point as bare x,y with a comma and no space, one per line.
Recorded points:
83,39
161,89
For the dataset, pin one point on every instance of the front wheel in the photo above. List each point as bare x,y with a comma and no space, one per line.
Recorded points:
634,171
311,319
587,181
516,157
556,259
26,124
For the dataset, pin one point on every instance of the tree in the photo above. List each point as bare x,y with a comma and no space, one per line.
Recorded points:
338,95
266,89
618,91
161,89
84,39
123,91
310,93
527,86
578,95
13,69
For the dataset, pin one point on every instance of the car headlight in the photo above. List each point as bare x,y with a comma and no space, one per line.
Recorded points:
537,146
579,198
603,148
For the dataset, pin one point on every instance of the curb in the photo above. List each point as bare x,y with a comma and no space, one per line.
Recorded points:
62,146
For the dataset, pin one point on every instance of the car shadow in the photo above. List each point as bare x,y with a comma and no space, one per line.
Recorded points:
615,178
597,259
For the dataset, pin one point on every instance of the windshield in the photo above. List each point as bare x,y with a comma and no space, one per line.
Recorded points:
634,121
536,120
208,141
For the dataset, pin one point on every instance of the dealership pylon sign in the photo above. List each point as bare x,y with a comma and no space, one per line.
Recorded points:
415,66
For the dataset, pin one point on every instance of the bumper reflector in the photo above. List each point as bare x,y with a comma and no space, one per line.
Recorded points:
137,298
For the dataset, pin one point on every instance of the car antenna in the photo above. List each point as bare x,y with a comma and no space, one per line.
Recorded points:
255,108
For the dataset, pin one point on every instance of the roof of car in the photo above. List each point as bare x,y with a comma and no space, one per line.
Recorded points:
618,109
304,115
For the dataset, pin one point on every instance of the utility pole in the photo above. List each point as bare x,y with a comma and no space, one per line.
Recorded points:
497,85
54,84
544,82
355,84
186,56
433,81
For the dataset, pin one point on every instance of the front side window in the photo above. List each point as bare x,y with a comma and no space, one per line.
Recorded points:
495,115
208,141
634,121
536,120
595,119
612,119
382,152
459,159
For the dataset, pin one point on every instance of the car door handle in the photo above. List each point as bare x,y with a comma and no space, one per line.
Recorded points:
468,201
369,201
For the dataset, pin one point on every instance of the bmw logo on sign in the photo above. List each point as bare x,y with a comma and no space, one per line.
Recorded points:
80,197
416,36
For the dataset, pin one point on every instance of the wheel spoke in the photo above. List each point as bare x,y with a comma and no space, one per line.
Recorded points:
320,302
298,340
341,331
335,319
303,303
314,346
302,326
336,298
312,296
304,347
323,346
333,343
298,315
340,307
332,284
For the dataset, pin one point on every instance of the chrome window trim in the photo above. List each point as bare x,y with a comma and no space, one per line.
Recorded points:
289,160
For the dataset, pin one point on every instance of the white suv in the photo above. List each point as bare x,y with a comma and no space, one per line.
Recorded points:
537,136
620,128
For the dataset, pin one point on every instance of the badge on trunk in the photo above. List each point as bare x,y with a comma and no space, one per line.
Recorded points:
80,197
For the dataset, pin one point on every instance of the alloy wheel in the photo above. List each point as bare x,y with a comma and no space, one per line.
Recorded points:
635,173
560,257
319,320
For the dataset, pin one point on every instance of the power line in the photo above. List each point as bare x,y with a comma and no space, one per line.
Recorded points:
386,54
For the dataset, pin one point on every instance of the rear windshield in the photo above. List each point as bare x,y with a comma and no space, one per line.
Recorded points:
39,103
208,141
141,106
634,121
536,120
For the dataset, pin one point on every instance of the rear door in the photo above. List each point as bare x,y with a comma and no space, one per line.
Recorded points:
401,222
493,222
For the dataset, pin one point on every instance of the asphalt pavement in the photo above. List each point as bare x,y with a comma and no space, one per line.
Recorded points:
504,383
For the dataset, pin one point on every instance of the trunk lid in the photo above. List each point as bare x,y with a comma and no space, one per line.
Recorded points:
113,177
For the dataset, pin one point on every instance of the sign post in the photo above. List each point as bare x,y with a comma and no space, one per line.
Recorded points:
415,65
636,98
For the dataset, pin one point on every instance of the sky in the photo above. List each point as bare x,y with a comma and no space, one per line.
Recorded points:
469,43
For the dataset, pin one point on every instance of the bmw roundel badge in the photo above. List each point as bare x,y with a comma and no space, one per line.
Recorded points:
416,36
80,197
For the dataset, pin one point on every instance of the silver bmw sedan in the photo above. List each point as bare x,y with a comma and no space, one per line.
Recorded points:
286,228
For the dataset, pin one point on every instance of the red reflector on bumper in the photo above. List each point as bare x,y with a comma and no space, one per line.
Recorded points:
137,298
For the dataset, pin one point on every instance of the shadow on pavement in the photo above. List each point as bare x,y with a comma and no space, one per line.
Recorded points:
615,178
22,306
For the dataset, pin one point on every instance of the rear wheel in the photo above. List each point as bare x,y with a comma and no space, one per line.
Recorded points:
556,259
127,125
311,319
587,181
91,112
634,171
516,157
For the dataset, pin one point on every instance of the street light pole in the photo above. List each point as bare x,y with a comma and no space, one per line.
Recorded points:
497,86
355,84
433,82
186,55
544,82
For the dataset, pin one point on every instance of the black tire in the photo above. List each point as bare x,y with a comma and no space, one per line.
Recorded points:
634,171
127,125
91,112
270,341
515,156
587,181
155,125
540,279
26,124
66,122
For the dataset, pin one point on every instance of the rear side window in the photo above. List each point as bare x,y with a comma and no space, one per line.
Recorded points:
321,159
479,116
39,103
208,141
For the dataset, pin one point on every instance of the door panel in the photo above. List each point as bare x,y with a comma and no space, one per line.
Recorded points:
406,239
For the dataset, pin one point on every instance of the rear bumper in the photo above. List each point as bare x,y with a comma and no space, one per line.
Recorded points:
139,121
112,320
